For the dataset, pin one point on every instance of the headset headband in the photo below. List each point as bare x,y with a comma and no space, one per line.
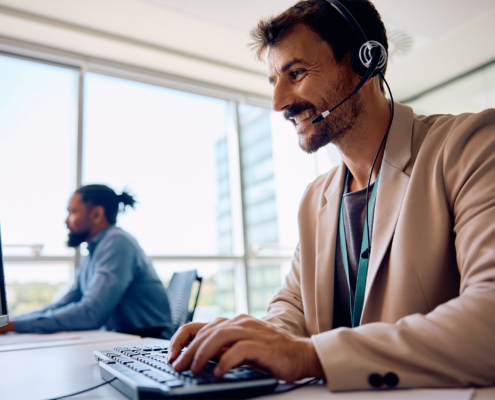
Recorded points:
362,55
350,20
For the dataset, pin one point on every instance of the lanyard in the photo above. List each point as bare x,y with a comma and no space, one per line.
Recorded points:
357,307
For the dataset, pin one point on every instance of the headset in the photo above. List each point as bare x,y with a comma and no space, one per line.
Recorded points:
368,59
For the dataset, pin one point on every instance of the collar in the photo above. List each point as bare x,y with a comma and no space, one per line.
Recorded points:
398,147
96,239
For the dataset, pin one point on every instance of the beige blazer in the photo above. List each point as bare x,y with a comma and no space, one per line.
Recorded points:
429,311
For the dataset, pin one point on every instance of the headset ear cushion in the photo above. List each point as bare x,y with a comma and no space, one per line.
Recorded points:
358,67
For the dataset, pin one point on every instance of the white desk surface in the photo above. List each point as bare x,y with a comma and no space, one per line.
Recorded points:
45,373
84,337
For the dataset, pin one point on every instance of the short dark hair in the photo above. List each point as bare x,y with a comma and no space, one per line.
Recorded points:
102,195
327,22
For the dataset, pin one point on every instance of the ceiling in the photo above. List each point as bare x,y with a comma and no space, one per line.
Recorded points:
429,18
206,40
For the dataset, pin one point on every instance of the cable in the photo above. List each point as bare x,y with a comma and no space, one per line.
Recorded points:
296,386
363,80
85,390
368,231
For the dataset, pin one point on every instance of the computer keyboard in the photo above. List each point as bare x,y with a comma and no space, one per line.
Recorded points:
143,372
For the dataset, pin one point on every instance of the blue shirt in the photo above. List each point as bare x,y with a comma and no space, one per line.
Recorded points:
116,288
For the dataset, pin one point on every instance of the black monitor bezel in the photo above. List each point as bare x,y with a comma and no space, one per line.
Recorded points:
4,318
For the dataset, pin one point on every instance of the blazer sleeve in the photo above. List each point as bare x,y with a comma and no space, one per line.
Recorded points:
286,309
453,345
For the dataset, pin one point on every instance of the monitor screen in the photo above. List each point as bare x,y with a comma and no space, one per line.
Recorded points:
4,317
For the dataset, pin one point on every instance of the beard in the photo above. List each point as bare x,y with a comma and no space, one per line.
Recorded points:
75,239
335,126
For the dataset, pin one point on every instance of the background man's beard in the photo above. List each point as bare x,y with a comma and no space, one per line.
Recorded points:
334,127
75,239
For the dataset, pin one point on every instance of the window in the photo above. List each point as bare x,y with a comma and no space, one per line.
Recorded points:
165,147
217,296
218,182
38,130
275,172
32,286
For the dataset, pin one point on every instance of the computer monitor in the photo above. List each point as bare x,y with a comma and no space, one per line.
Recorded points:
4,316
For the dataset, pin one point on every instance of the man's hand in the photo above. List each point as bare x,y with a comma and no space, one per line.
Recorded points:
8,328
184,335
241,340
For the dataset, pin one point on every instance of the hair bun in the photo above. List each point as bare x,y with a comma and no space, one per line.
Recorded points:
126,199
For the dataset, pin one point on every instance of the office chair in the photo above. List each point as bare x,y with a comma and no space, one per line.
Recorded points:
179,294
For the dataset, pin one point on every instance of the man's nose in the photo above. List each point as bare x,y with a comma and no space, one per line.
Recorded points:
283,96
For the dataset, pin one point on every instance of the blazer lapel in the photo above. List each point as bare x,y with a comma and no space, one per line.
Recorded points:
391,189
326,237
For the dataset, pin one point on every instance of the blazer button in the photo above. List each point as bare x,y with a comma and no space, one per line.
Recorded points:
391,379
375,380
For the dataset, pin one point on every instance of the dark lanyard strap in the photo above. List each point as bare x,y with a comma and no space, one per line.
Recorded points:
357,307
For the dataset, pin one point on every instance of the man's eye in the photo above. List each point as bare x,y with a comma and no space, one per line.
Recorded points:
295,74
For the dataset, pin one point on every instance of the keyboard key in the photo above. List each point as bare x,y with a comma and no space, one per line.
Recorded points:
204,381
174,384
138,368
166,377
231,377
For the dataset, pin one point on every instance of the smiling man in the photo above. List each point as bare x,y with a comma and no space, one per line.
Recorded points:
409,302
116,286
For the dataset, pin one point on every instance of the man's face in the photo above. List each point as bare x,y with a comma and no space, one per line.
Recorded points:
78,221
307,81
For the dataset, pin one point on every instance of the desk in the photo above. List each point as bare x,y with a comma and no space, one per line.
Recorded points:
84,337
44,373
48,372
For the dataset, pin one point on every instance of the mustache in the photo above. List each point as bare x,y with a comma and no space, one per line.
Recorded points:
297,108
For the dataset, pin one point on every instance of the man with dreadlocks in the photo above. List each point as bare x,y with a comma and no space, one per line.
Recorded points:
116,286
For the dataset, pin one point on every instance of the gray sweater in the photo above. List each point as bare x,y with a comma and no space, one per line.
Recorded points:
116,288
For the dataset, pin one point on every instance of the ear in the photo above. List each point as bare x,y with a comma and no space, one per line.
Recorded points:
373,79
98,214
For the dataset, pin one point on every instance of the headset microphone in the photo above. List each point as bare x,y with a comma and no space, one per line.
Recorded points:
375,59
368,59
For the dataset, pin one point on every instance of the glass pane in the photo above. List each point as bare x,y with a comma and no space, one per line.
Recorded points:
264,282
294,170
168,148
32,286
275,173
217,295
258,180
38,131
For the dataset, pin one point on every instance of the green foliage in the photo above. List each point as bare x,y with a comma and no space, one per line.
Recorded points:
27,297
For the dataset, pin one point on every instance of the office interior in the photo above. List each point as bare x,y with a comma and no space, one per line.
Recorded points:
163,98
